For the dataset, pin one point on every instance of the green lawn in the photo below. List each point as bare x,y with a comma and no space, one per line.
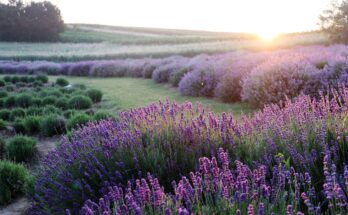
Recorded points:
125,93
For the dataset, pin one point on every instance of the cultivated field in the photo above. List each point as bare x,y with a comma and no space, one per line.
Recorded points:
82,42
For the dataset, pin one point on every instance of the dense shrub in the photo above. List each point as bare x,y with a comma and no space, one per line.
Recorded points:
14,79
62,82
37,84
32,124
24,100
107,69
134,68
17,113
62,103
3,126
34,110
148,70
94,95
20,148
13,178
36,102
69,113
19,126
31,79
230,87
52,125
80,69
2,83
24,79
3,94
50,92
200,82
42,78
78,120
7,78
276,80
2,147
162,72
49,100
10,88
20,85
80,102
10,101
175,77
5,114
49,109
332,76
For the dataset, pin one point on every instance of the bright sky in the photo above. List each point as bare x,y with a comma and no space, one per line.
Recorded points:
256,16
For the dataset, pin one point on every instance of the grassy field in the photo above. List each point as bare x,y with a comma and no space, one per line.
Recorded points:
125,93
84,42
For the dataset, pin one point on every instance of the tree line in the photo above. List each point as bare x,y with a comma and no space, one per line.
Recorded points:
31,22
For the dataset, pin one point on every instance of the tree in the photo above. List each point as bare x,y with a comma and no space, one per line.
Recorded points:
334,21
36,21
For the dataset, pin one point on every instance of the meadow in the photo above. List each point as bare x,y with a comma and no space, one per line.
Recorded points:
126,93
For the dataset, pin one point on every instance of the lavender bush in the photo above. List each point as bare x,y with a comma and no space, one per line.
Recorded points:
216,188
332,76
167,136
230,87
276,79
163,71
200,82
107,69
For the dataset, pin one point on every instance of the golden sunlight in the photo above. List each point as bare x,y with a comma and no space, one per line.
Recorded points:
268,36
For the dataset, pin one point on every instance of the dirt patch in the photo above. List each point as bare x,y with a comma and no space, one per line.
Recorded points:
44,145
18,207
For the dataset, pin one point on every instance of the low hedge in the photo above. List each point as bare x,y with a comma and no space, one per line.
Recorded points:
13,179
20,148
52,125
80,102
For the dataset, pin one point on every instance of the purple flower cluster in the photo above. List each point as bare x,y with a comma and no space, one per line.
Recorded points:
171,136
256,77
216,188
276,79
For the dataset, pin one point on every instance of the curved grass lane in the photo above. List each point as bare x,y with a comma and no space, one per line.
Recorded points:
126,93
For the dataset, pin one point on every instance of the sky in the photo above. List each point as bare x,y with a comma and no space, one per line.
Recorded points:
255,16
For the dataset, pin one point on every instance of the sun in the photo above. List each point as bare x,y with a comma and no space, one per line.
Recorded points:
268,35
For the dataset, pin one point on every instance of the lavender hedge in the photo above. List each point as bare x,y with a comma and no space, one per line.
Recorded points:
168,136
216,188
255,77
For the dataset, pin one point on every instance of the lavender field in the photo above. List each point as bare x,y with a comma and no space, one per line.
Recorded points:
257,78
176,108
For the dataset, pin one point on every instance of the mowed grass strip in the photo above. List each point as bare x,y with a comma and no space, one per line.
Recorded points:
126,93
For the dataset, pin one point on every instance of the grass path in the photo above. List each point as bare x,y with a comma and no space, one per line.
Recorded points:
125,93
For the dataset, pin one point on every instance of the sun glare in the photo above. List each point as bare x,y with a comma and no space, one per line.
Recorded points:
268,36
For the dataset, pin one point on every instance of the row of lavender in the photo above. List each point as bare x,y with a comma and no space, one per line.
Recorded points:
258,77
305,142
218,189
